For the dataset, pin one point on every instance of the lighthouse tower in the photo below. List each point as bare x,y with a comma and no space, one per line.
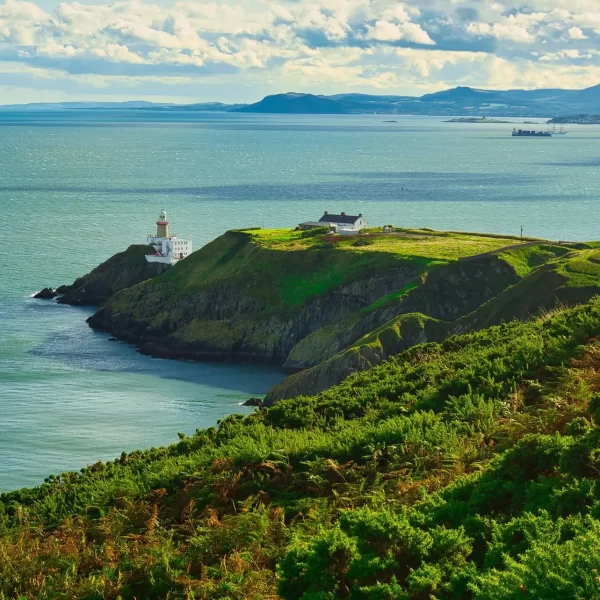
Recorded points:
168,249
162,225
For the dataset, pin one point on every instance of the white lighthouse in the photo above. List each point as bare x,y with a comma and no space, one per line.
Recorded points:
168,249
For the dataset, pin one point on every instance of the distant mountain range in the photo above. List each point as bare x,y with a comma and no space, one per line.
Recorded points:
460,101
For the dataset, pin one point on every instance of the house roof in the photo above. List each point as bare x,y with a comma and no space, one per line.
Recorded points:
343,218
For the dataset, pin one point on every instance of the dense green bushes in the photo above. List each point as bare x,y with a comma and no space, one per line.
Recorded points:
314,232
467,469
374,554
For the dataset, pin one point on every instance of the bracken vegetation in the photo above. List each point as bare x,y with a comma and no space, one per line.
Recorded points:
465,469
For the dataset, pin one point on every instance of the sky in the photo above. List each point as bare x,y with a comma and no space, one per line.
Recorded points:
241,50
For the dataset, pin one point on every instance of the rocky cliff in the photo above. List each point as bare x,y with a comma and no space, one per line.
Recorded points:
571,279
121,271
447,292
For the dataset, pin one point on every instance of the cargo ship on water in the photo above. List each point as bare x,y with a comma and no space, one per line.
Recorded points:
530,133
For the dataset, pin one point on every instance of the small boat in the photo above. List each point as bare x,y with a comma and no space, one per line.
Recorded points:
560,132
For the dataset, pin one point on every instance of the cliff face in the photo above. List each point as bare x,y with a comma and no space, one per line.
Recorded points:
568,281
399,334
121,271
447,293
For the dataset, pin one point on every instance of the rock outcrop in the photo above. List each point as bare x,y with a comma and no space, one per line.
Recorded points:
254,402
46,294
235,300
121,271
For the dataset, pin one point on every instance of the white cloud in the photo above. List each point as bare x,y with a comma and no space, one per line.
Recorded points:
510,29
22,11
299,44
576,33
385,31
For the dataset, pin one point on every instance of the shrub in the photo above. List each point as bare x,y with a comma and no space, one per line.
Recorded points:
314,232
370,550
363,242
578,427
323,246
561,571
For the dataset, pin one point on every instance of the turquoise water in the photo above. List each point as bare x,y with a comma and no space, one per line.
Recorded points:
78,186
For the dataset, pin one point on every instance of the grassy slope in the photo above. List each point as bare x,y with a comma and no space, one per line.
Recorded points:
250,259
411,243
549,273
467,469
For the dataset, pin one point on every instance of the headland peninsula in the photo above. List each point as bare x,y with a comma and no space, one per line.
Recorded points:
324,306
441,440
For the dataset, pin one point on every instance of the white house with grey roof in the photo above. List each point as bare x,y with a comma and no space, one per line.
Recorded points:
343,224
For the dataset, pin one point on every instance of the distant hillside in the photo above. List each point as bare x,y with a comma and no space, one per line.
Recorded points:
587,97
207,107
460,101
457,102
132,104
296,104
465,96
577,119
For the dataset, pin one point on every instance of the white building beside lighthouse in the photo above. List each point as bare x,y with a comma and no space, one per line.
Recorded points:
168,249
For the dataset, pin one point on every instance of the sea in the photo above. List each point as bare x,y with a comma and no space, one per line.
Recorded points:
77,186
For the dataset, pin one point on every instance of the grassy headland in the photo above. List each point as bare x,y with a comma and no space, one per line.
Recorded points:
331,305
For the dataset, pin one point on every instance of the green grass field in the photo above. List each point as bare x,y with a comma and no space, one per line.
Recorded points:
406,243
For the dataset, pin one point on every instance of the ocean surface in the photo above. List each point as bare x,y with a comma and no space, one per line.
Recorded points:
77,186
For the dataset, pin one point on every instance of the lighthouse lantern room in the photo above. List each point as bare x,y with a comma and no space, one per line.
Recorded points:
168,249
